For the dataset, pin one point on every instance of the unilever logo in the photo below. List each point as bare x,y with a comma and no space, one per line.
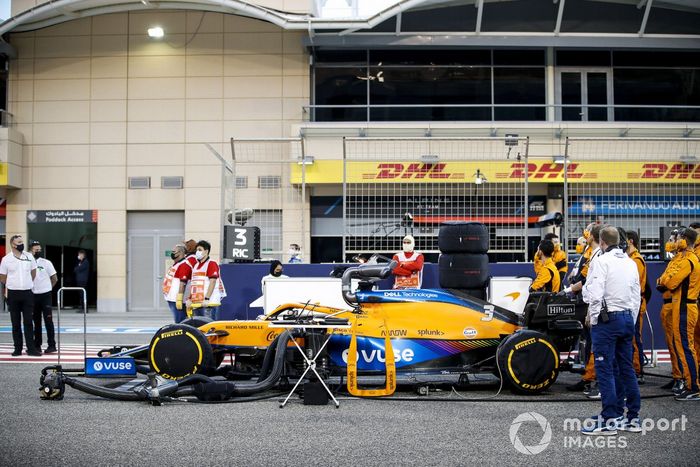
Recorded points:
544,426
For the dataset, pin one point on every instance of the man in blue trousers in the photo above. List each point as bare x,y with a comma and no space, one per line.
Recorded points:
612,292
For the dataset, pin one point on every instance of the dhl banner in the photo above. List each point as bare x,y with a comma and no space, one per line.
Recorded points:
331,171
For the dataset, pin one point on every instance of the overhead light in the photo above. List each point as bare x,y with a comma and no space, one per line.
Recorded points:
511,139
156,32
560,160
306,160
429,158
689,159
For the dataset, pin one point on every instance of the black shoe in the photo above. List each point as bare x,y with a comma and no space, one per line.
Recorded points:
34,353
679,387
640,380
688,395
578,387
669,385
50,349
16,353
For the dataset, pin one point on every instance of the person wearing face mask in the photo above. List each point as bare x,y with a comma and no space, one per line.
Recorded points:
408,274
547,279
558,257
81,273
17,272
294,253
682,279
44,282
638,350
696,227
276,270
175,281
206,288
677,384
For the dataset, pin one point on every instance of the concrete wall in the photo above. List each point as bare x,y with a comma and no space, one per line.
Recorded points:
96,101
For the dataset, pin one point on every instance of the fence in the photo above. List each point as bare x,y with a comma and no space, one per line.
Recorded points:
261,192
397,185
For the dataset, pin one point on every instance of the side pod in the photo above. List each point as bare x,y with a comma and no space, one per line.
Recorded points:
389,362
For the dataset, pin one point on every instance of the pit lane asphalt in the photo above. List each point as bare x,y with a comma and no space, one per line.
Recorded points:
85,430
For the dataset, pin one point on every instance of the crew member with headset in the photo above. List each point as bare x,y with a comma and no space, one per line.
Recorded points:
677,384
682,278
17,272
645,291
44,282
587,384
175,281
613,295
408,274
558,257
547,279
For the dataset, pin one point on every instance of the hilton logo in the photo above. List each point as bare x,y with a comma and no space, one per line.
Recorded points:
556,310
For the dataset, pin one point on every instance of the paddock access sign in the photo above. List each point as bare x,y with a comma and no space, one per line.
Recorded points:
62,217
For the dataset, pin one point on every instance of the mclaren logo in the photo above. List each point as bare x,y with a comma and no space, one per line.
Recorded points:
514,295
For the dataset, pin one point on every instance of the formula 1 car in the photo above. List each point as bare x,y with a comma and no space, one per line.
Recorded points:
397,333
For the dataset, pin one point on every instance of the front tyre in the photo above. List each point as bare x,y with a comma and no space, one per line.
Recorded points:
529,362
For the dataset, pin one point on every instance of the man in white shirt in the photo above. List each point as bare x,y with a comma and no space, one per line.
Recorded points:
612,292
17,271
44,282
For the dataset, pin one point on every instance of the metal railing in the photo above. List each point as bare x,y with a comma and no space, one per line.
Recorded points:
58,319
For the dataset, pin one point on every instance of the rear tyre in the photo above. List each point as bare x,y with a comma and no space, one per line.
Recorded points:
463,237
528,362
463,271
180,350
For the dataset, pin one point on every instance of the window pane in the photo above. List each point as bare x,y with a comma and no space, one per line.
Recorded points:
358,57
642,58
408,114
657,86
520,113
430,57
518,57
430,86
583,58
339,87
518,86
571,95
597,95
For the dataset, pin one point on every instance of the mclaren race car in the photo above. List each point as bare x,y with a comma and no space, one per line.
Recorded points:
385,335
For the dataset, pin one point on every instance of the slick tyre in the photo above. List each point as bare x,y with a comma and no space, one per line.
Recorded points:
463,237
180,350
463,271
528,362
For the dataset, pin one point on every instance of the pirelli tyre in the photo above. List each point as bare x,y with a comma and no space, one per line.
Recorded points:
528,362
463,237
463,271
179,350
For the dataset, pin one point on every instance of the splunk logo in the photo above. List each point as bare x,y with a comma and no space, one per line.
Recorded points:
376,355
112,366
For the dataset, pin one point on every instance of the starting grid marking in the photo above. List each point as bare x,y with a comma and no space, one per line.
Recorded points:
94,330
70,353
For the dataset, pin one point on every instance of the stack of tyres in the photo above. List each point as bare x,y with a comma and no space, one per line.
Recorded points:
464,263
